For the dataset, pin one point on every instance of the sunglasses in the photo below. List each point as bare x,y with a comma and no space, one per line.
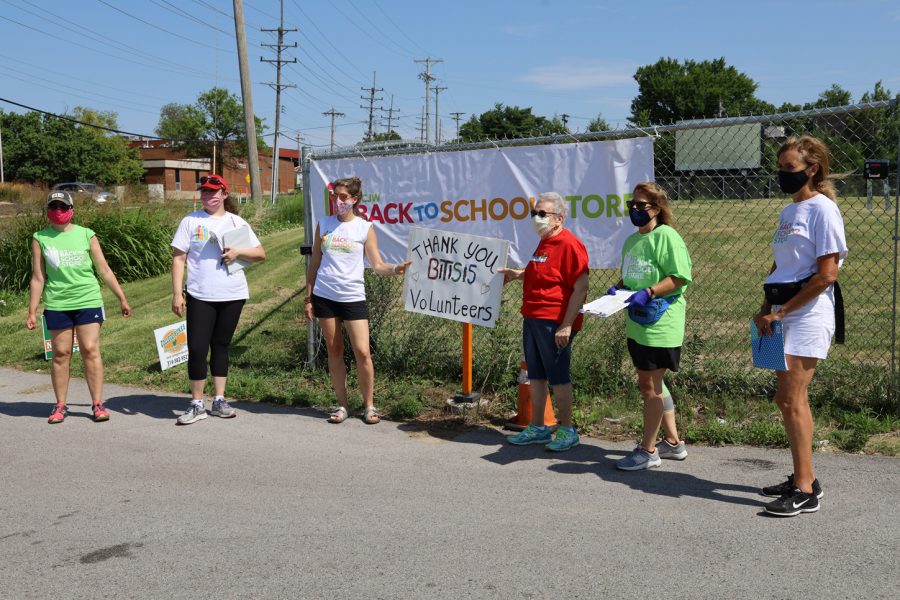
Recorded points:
542,213
213,180
343,197
640,205
58,206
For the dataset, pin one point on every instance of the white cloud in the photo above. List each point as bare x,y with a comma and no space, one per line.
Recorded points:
579,75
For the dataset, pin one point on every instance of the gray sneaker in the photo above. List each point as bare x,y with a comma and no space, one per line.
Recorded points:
667,450
639,459
193,414
220,408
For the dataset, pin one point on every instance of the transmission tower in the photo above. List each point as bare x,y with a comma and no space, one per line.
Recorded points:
278,86
372,99
427,77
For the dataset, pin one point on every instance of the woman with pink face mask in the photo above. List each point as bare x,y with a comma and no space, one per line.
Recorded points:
336,294
216,291
64,256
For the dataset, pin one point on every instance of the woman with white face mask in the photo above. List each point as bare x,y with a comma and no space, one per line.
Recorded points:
215,294
554,290
336,293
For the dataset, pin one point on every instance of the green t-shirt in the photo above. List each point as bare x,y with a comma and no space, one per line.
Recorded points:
648,258
71,283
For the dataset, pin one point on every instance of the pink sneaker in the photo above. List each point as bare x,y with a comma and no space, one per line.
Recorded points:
58,414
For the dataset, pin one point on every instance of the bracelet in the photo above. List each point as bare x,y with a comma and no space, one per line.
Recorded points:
307,300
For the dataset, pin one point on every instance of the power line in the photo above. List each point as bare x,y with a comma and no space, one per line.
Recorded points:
164,30
110,129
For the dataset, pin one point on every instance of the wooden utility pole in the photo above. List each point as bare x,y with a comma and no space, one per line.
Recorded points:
456,117
437,115
247,97
390,115
333,114
278,87
427,77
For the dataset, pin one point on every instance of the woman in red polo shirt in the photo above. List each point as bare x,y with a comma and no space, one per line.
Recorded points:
554,290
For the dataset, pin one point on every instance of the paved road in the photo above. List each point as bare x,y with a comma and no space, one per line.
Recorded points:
278,504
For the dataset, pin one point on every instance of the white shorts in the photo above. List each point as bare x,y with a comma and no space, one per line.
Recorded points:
808,331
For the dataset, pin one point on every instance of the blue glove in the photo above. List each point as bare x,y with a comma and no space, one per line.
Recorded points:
641,298
612,291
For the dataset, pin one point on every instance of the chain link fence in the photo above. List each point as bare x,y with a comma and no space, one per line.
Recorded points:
721,176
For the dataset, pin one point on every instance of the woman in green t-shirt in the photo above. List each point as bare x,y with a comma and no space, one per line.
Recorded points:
64,256
656,264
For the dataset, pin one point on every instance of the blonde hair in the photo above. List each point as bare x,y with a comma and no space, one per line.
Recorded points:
813,151
653,192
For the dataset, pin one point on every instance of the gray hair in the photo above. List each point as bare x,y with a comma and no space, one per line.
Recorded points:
559,205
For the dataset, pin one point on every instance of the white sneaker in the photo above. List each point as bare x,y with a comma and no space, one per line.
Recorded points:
194,413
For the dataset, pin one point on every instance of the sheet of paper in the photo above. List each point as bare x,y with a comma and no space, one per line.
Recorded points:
607,304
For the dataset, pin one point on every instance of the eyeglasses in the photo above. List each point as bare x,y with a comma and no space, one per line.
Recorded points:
640,205
542,213
213,180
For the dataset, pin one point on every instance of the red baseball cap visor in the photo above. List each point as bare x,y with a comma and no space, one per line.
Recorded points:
213,182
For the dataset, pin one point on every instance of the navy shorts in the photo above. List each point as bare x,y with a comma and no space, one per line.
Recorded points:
67,319
324,308
543,359
648,358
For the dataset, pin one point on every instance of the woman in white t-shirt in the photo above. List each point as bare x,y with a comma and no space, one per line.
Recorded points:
216,289
336,294
809,247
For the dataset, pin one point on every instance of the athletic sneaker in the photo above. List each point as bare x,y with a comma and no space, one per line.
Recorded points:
793,503
100,412
531,435
58,414
564,440
639,459
220,408
195,413
667,450
776,491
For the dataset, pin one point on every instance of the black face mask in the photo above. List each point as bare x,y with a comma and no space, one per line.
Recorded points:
790,183
639,218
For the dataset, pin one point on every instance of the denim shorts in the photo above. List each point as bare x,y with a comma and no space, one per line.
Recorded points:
542,358
67,319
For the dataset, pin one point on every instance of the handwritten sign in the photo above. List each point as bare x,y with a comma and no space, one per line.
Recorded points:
455,275
171,344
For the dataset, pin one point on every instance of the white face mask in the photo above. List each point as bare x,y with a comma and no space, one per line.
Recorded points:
541,225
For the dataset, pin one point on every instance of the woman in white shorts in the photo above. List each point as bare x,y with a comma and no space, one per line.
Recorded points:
809,247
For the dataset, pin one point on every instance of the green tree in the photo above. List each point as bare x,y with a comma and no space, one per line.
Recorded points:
386,136
670,91
47,149
215,120
508,122
598,124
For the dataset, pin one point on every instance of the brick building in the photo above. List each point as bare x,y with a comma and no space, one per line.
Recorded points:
169,174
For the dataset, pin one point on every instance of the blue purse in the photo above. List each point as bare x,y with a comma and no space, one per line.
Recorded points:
651,312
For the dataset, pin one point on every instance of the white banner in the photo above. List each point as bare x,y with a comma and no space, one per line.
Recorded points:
171,344
455,276
490,193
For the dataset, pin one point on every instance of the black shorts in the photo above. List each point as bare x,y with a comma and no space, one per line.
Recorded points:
648,358
323,308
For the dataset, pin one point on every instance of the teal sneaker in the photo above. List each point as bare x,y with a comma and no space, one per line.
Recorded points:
564,440
531,435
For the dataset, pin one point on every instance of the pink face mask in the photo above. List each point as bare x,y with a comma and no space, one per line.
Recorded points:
211,202
58,216
342,207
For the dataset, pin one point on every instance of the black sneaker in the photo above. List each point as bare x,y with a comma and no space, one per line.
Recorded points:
777,491
792,504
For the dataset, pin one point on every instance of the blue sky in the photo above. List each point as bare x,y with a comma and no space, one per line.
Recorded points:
576,57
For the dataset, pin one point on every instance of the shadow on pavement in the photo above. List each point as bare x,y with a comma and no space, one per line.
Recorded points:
592,459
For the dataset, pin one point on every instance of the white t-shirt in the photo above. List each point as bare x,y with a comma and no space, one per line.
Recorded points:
207,277
806,231
340,274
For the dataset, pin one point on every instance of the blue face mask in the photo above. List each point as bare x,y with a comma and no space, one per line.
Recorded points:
639,218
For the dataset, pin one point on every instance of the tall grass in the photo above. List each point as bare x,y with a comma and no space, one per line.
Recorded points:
135,242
